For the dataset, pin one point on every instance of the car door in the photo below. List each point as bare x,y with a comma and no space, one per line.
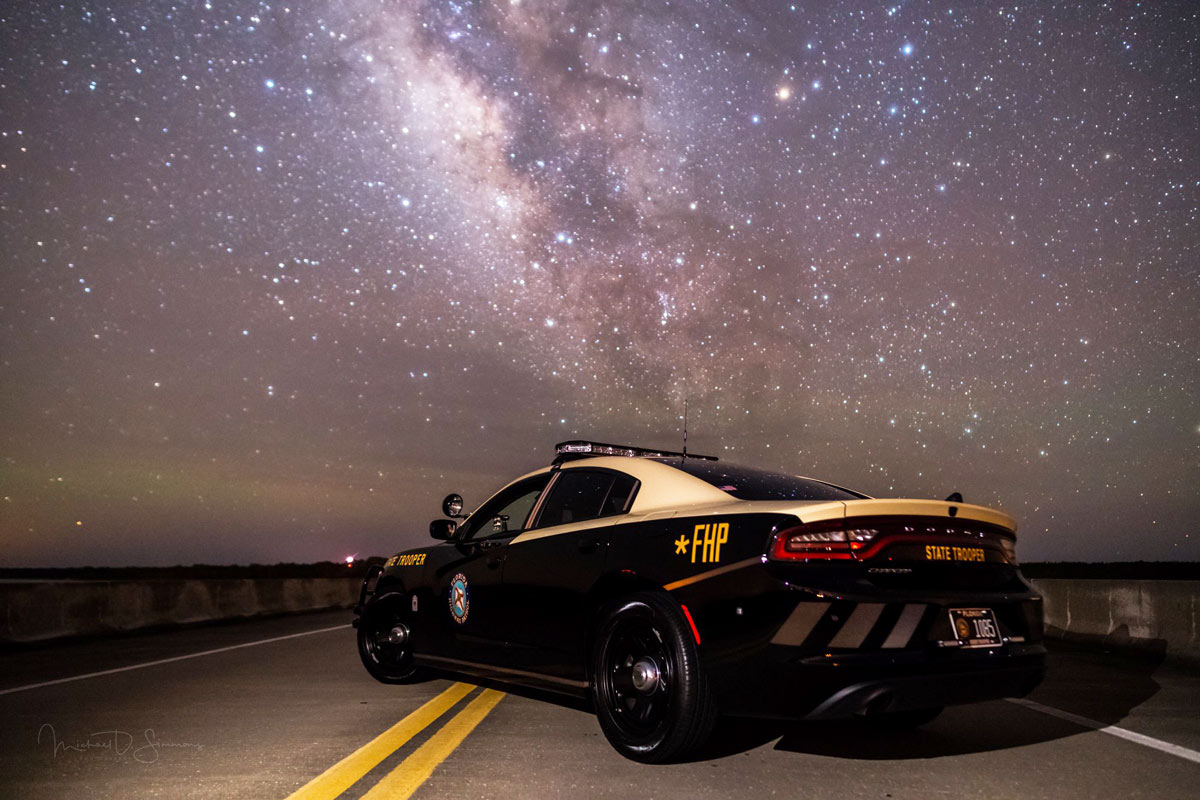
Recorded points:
551,567
466,606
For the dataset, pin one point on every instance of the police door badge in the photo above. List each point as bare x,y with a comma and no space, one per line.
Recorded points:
460,601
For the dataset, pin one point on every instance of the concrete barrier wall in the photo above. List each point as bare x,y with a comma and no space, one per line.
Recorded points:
1162,615
1159,615
31,612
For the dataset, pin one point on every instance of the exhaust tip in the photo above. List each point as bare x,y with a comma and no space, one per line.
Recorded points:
875,703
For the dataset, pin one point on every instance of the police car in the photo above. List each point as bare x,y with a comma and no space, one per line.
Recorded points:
666,588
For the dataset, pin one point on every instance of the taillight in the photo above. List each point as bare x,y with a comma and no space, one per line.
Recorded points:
822,541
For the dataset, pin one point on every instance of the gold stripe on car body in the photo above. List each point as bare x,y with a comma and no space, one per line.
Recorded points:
534,534
712,573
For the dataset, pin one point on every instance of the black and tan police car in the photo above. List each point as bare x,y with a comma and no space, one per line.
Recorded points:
666,588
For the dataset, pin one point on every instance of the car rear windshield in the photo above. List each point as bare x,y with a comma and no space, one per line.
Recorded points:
746,483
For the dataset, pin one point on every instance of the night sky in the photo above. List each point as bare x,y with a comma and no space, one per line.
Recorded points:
276,278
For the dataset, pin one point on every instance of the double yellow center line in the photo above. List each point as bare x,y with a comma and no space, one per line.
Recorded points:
402,781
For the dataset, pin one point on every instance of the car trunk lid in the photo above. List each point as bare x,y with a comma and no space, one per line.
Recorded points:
934,542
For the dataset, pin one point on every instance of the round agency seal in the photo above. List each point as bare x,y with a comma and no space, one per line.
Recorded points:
460,600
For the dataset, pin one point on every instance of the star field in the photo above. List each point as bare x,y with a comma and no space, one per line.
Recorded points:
276,278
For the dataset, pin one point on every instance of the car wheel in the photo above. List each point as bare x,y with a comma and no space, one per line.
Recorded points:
649,689
385,642
903,720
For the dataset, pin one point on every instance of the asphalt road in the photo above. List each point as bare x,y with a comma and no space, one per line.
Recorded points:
275,707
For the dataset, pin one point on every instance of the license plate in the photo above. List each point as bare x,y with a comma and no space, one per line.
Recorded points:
975,627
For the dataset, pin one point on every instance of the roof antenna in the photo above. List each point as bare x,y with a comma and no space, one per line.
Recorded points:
685,427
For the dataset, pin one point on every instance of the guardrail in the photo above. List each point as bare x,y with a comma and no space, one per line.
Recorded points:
1158,615
42,610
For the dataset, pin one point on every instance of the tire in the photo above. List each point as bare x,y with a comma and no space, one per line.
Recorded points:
386,661
649,688
903,720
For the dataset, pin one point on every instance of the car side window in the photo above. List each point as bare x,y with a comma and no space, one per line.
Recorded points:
581,494
620,496
505,514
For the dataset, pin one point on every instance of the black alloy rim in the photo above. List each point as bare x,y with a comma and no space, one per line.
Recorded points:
638,712
382,651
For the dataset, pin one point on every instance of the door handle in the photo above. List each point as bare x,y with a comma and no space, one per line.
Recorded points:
589,545
494,563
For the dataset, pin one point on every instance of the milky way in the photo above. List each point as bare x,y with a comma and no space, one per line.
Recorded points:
276,278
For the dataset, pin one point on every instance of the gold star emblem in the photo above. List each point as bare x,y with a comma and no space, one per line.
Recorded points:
681,545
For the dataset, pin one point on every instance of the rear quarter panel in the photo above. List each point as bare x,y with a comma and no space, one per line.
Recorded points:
713,564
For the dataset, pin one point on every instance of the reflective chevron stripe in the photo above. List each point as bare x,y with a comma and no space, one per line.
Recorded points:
857,623
903,630
799,625
858,626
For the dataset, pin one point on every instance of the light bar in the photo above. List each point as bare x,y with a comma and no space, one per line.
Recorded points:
577,448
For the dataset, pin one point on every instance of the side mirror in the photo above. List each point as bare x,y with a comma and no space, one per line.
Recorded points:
443,528
452,506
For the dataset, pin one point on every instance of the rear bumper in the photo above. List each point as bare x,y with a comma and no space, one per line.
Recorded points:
803,654
849,685
905,692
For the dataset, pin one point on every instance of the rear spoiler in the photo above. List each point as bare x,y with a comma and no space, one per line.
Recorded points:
900,507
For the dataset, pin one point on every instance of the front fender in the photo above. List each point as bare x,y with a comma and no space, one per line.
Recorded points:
377,583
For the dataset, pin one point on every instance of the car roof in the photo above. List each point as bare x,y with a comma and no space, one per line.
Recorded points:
665,490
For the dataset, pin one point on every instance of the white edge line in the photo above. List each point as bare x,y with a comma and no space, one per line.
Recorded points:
168,660
1112,730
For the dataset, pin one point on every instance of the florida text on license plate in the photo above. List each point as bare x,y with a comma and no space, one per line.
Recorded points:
975,627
